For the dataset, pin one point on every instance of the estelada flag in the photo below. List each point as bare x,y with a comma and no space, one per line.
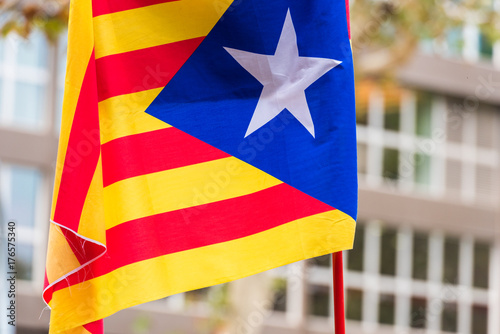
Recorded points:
202,141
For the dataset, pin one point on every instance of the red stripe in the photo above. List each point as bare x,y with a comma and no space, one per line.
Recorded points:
96,327
152,152
47,294
348,18
208,224
45,279
101,7
142,69
199,226
76,245
82,249
82,154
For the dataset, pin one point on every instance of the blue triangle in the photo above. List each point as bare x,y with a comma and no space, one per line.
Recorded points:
213,98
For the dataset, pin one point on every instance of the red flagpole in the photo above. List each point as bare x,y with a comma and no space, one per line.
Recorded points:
337,265
338,292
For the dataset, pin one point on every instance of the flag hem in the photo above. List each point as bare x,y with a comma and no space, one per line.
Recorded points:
51,284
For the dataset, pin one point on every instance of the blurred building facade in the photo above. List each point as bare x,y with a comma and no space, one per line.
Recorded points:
427,249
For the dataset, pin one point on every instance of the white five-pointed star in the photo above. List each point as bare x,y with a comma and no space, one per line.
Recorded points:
285,77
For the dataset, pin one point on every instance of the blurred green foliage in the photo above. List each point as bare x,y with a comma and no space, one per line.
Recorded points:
23,16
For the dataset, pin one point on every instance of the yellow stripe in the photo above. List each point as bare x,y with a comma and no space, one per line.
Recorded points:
124,115
80,46
92,218
155,25
60,257
182,188
77,330
200,267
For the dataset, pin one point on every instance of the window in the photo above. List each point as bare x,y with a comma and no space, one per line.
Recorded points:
422,169
418,313
355,256
34,51
354,304
24,184
20,188
320,300
455,42
279,290
450,260
487,135
420,255
423,114
479,319
392,110
455,112
386,309
391,164
449,317
388,252
481,264
453,175
485,46
29,103
486,187
24,81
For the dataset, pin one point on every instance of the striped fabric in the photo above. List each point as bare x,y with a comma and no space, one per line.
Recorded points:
134,221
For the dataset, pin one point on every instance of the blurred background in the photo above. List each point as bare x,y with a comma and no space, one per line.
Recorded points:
426,257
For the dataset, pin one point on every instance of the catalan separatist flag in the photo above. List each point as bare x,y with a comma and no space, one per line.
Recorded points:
202,141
